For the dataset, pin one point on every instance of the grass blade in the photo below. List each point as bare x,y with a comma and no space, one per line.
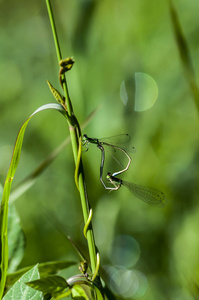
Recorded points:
6,193
184,54
31,178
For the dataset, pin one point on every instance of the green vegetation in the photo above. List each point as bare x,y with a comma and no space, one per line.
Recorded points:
135,72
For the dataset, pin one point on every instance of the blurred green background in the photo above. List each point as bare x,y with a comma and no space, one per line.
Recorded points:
150,253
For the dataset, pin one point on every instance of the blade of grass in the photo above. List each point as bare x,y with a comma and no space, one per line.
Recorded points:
184,54
31,178
6,193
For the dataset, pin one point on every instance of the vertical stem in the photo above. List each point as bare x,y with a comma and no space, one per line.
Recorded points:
54,31
59,55
75,145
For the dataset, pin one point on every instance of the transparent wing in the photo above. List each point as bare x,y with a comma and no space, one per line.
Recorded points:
120,141
117,139
148,195
117,146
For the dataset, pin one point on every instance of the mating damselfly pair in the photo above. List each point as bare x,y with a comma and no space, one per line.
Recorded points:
121,143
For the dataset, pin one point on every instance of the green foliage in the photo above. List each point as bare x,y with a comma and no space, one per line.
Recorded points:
79,292
82,291
116,50
6,194
51,284
185,55
16,239
21,291
46,268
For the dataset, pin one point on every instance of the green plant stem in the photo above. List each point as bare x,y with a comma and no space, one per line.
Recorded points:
59,55
75,144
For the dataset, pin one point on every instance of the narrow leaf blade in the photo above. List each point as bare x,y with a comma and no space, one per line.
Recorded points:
28,181
6,193
185,55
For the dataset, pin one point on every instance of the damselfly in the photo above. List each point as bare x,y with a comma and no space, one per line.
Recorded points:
146,194
118,142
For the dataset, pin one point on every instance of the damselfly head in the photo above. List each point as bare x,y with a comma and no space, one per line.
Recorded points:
108,176
84,139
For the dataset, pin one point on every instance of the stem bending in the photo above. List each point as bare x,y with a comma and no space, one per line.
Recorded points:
75,134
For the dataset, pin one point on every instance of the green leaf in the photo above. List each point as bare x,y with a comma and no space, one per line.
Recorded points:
79,292
99,295
50,284
6,193
21,291
83,287
16,239
54,266
86,291
44,269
